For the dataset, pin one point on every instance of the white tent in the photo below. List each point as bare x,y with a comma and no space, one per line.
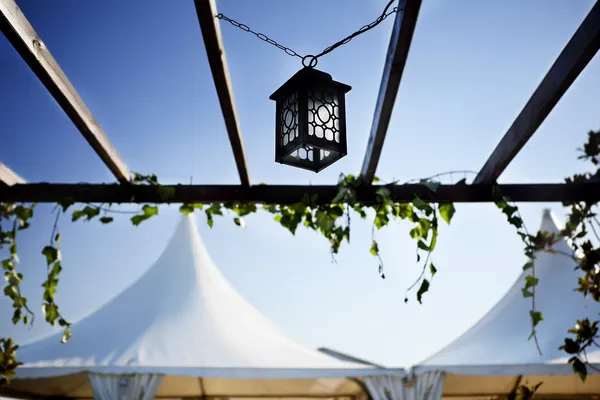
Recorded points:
494,356
182,331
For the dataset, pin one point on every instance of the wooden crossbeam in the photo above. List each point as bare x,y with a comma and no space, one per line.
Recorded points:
213,41
282,194
28,44
402,33
576,55
8,177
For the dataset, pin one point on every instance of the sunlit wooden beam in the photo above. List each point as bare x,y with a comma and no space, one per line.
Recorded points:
397,54
576,55
34,52
8,177
283,194
213,41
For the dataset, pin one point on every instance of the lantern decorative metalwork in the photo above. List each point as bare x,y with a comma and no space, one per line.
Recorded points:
311,120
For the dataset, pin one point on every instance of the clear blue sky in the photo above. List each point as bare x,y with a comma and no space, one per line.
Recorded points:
141,68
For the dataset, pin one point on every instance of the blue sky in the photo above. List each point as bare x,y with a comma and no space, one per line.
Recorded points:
141,68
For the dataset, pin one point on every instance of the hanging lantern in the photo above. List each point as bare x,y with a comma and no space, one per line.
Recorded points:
310,121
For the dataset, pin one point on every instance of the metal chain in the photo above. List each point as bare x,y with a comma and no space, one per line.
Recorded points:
312,60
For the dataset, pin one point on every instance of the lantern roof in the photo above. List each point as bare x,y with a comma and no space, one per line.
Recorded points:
308,76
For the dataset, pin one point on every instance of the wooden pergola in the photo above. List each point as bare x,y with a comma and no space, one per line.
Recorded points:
576,55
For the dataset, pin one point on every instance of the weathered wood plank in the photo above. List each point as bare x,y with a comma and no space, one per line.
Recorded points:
576,55
282,194
211,33
34,52
8,177
402,33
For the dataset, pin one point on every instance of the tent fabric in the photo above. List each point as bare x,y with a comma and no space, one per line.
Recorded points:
183,320
494,356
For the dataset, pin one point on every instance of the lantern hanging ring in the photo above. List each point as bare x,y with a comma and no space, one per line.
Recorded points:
309,61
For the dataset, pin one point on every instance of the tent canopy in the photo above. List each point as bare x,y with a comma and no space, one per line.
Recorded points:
183,320
494,355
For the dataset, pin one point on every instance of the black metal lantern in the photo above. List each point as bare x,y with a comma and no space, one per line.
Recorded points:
311,120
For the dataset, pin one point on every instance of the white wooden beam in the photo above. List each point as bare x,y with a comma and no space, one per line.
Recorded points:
8,177
402,33
213,41
576,55
34,52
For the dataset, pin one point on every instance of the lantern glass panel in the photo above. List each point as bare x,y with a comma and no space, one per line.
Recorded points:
289,130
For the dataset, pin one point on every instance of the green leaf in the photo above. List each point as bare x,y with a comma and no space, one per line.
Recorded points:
431,185
50,311
579,368
10,291
447,212
150,211
381,220
526,293
244,209
422,290
374,248
8,264
570,346
528,265
415,232
188,208
51,254
214,209
77,214
106,220
420,204
531,281
536,317
403,210
422,245
66,203
239,222
433,239
432,269
91,212
16,316
383,192
66,335
341,194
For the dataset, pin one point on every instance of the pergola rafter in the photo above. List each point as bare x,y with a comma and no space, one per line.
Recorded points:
576,55
291,194
397,54
8,177
213,41
19,32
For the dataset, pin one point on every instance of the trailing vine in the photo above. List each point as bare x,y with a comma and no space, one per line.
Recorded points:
333,222
581,229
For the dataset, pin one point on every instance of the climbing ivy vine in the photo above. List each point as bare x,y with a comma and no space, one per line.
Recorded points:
333,222
581,231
